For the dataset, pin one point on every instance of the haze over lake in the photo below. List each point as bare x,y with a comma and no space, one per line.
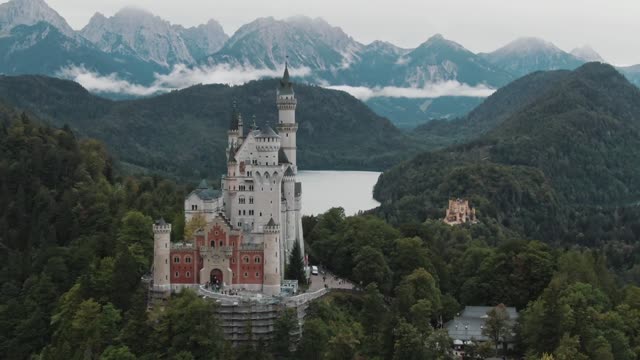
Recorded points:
323,190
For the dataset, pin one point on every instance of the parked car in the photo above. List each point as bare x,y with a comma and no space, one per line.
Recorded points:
314,270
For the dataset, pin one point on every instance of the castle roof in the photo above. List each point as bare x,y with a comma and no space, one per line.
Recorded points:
267,132
232,154
236,118
204,192
271,222
282,157
161,221
289,172
286,87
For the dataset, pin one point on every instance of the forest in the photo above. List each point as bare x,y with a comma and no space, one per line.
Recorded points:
76,239
183,134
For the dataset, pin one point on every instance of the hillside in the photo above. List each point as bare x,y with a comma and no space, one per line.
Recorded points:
491,112
574,144
183,133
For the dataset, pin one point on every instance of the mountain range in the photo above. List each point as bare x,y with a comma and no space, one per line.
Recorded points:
136,46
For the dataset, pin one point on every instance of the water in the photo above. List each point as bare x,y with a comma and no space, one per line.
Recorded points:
351,190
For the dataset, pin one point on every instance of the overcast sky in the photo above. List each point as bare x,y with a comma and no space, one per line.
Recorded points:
611,27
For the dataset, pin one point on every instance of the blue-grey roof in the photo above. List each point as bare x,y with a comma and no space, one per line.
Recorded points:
289,172
204,192
267,132
286,87
282,157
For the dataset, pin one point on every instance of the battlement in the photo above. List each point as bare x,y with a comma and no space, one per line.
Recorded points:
161,227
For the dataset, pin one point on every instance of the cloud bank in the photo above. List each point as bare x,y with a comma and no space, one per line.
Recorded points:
433,90
180,77
183,76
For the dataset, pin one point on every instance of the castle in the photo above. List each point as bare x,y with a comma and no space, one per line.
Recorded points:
251,224
459,212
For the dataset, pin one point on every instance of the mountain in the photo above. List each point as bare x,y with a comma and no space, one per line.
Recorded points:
632,73
439,59
132,31
576,143
266,42
31,12
526,55
183,133
25,47
203,39
586,54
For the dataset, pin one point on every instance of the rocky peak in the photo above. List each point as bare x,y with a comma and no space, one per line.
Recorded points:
136,30
30,12
586,53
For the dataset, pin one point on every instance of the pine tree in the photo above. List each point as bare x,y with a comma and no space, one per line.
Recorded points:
295,267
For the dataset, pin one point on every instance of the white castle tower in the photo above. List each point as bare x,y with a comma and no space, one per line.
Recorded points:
287,126
161,254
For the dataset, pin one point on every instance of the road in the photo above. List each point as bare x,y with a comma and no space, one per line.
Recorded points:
332,282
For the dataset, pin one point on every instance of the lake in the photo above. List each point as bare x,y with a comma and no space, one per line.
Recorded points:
351,190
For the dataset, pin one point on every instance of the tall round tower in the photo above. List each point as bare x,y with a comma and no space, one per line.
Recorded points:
161,254
272,271
287,126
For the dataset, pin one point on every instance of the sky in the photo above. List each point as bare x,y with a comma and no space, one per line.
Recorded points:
611,27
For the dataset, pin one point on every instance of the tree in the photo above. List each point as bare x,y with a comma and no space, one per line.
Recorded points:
188,322
117,353
283,328
295,266
420,284
371,267
197,222
313,344
497,327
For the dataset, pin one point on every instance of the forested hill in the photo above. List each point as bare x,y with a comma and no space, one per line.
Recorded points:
576,145
184,133
502,104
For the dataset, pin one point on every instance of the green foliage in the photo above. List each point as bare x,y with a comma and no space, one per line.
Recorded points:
295,266
523,173
184,133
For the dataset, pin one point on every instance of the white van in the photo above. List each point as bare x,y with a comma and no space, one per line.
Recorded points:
314,270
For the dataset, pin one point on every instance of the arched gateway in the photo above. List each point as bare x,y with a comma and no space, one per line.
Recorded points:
216,277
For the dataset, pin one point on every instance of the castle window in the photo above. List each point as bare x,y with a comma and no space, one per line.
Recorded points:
233,275
221,243
257,274
244,212
176,259
188,274
166,261
239,223
250,212
177,274
239,212
251,197
245,259
241,200
216,232
256,259
187,259
251,189
233,260
260,213
246,274
212,243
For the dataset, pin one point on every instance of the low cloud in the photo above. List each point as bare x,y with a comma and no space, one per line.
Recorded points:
433,90
183,76
180,77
